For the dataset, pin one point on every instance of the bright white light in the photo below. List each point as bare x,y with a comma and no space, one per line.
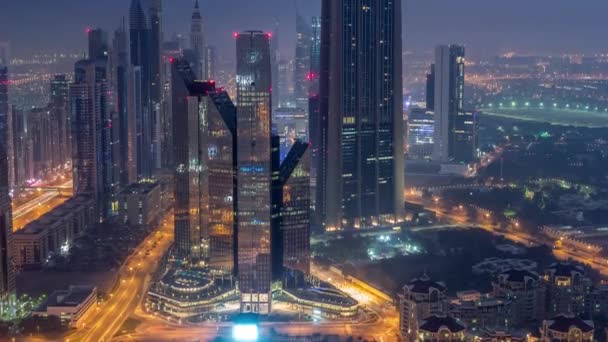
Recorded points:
245,332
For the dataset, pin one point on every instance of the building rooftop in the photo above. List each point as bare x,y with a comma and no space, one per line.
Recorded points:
519,275
57,214
141,188
565,269
434,324
424,284
71,297
564,323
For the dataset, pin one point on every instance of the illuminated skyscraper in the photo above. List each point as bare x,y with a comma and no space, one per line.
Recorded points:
155,25
302,62
254,170
91,154
314,115
361,172
291,210
205,131
454,127
7,276
61,119
140,40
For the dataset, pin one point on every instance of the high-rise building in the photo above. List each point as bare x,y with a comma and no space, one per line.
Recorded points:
314,115
91,154
198,43
98,44
291,209
5,53
7,276
284,88
361,172
40,128
254,170
6,124
302,62
275,57
430,89
122,83
60,119
567,288
420,125
527,293
155,19
140,41
205,184
22,167
454,126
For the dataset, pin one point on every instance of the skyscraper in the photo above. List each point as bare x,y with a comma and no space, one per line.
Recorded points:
7,276
291,216
254,170
91,154
198,43
361,172
155,17
454,127
314,117
302,62
205,147
140,41
430,89
98,44
60,118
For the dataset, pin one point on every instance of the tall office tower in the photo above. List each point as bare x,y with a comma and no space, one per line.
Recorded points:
291,210
91,161
40,131
314,117
20,142
302,66
98,44
7,275
205,184
274,63
140,38
171,51
198,43
361,177
119,74
254,170
6,125
430,89
60,117
155,16
454,127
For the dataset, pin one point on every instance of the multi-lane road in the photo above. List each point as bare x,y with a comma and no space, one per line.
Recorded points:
108,317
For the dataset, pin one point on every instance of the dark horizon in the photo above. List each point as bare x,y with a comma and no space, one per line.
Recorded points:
486,28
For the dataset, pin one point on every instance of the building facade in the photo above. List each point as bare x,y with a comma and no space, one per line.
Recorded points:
421,298
254,170
420,125
527,293
361,168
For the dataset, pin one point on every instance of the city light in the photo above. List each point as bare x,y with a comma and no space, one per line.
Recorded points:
245,332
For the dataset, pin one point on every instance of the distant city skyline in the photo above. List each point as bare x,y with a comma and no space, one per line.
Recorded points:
485,28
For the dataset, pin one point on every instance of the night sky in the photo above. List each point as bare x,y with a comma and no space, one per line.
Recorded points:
486,27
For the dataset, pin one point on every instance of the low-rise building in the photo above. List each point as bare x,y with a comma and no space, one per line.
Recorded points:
527,293
71,305
567,328
140,204
567,287
421,298
441,328
54,232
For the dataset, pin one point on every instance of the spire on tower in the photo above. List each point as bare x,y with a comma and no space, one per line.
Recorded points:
196,14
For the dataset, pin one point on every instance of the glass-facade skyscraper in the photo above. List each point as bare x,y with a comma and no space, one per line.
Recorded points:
361,173
454,126
7,276
254,85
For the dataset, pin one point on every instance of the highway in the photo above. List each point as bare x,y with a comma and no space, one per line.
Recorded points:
134,276
40,204
486,220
